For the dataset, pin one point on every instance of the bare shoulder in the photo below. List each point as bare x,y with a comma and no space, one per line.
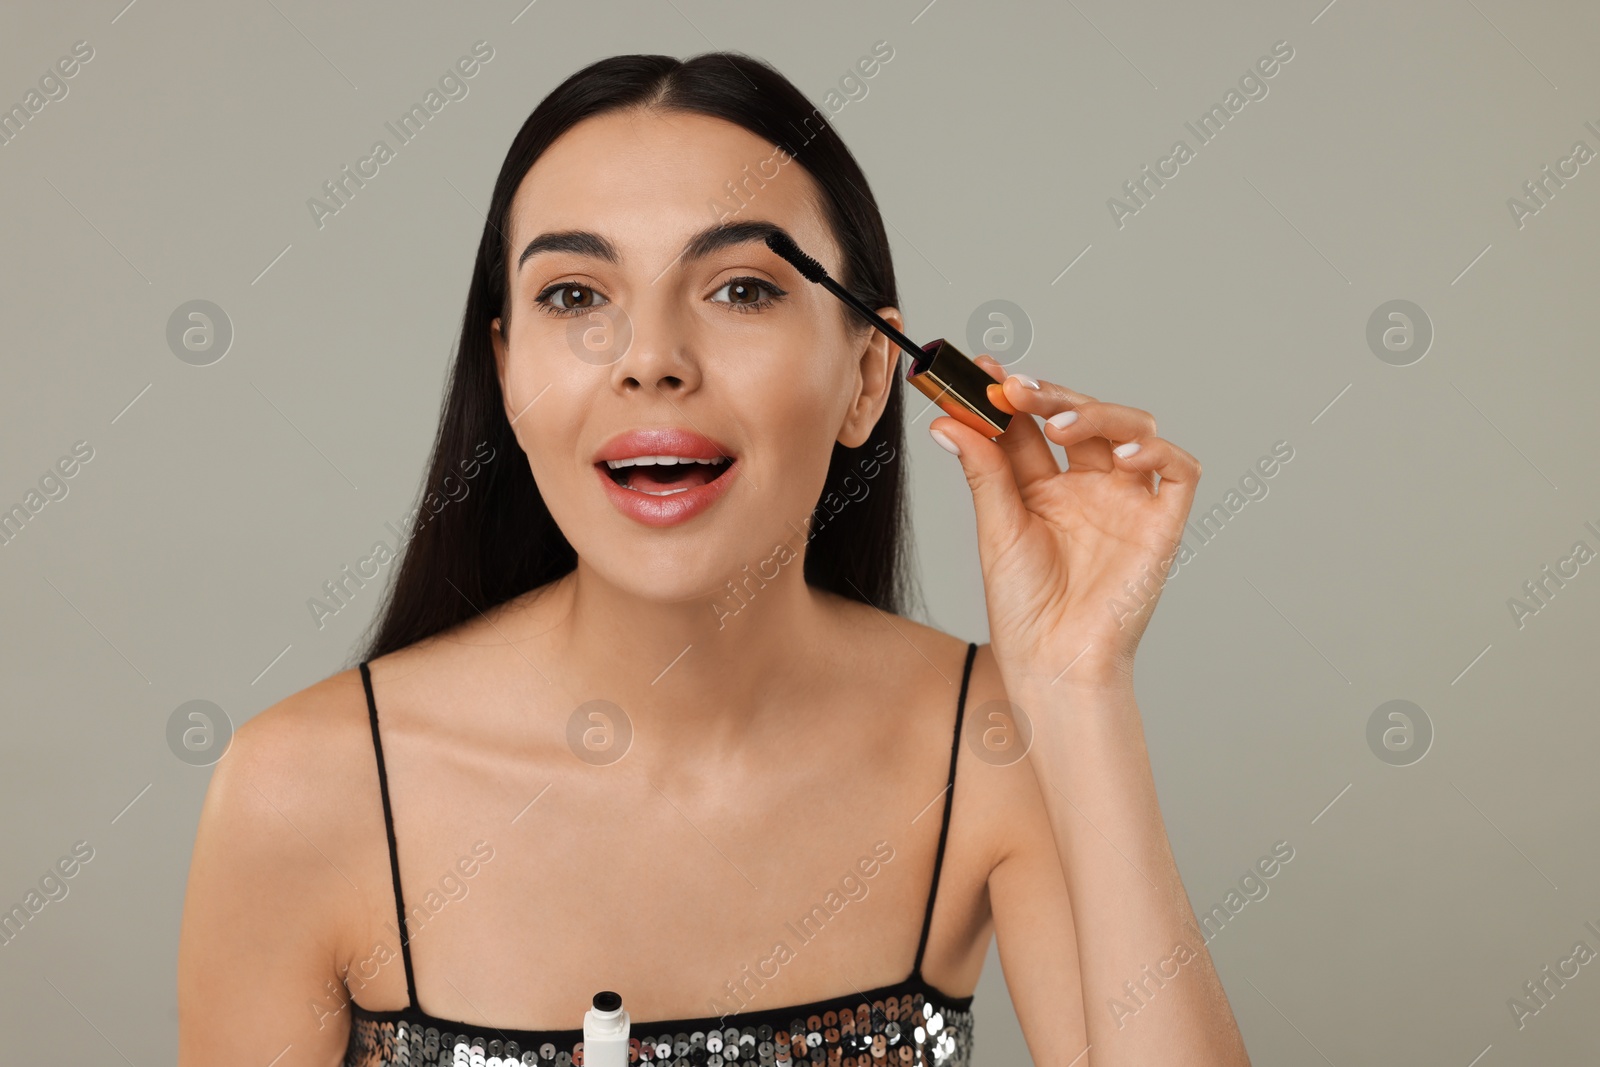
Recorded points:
292,798
1000,800
287,854
1003,793
895,648
303,752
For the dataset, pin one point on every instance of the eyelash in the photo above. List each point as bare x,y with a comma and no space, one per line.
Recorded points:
760,305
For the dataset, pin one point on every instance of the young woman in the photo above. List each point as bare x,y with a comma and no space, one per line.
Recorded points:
641,713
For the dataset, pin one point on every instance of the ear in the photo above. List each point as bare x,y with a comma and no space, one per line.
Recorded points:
875,376
497,341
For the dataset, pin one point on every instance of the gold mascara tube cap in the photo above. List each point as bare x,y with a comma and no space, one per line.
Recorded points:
964,390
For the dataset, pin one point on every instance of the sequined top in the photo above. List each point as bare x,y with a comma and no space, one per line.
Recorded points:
908,1023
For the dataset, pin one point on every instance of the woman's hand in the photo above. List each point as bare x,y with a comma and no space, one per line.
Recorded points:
1073,560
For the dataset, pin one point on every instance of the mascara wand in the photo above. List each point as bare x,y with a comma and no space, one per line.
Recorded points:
939,370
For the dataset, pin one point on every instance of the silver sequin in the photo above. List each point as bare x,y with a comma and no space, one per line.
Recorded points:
927,1031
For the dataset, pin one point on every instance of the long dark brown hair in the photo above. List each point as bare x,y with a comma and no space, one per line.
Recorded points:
498,540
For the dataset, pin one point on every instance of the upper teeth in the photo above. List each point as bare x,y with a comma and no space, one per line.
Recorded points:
645,461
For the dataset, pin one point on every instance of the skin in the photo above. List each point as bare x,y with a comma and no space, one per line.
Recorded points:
766,761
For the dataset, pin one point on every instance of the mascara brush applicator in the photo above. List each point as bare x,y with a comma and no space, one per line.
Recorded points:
939,370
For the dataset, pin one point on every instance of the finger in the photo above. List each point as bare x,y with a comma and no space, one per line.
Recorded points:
1093,427
1156,456
1001,513
1031,458
1041,398
1053,400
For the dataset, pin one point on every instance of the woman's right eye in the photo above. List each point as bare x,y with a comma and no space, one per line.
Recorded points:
573,299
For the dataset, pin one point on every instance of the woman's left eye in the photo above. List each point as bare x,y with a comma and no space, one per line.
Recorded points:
743,294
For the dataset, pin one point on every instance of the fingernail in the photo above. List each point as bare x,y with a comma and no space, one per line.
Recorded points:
1126,450
1063,419
1027,381
944,442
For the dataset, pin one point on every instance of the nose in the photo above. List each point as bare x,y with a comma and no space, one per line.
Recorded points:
658,353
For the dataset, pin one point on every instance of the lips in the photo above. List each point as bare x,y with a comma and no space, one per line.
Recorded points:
667,441
662,477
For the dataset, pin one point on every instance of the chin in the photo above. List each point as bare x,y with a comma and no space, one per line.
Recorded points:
688,572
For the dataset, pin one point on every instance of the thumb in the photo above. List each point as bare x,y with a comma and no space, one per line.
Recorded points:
1001,513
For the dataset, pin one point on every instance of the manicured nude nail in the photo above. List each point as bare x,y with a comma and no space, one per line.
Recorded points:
1027,381
1063,419
944,442
1126,450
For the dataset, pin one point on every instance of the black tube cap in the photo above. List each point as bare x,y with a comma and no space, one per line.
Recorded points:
606,1000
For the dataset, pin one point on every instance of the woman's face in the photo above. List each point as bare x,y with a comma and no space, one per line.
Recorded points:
621,326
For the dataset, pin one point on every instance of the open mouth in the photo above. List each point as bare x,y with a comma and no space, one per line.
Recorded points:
665,475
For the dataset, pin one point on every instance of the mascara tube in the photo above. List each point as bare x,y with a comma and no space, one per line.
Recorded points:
605,1032
962,389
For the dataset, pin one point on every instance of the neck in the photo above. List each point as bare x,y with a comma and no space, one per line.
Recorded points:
694,676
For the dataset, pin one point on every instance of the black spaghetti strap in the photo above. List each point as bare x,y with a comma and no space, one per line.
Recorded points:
388,825
949,798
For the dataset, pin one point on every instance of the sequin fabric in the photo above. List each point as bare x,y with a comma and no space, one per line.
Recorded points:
915,1029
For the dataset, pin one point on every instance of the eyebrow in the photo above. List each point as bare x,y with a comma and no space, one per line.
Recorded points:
712,239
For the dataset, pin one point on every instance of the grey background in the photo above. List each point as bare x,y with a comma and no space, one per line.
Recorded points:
1234,305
